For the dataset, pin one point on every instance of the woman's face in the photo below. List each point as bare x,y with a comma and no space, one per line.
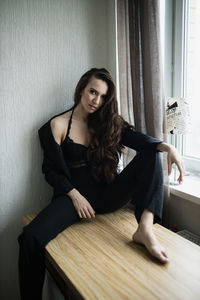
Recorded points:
93,95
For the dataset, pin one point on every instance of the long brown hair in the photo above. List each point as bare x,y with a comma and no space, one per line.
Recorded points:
105,126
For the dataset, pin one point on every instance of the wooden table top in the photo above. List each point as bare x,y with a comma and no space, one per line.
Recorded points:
101,261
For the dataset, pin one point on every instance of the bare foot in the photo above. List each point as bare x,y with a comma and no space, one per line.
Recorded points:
148,239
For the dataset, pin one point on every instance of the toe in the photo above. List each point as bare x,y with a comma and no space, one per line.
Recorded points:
159,254
165,259
162,258
165,256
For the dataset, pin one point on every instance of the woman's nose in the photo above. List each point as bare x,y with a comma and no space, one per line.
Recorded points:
97,99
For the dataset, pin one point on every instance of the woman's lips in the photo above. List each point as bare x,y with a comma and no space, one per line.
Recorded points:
93,107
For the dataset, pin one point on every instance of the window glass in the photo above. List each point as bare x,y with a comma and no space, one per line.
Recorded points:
192,78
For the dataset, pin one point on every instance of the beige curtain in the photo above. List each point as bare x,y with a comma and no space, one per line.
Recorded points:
140,72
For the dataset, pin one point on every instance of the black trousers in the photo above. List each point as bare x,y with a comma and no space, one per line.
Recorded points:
141,181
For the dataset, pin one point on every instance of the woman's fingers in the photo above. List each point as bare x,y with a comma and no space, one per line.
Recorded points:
82,206
180,166
83,214
79,213
181,173
92,212
87,212
174,157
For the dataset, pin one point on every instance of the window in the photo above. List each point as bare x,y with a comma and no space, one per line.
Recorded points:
181,69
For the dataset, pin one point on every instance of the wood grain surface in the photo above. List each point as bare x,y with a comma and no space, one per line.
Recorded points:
101,261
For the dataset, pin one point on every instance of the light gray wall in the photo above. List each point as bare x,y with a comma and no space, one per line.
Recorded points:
45,46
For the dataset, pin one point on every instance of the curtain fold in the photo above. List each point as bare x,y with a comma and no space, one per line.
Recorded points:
142,99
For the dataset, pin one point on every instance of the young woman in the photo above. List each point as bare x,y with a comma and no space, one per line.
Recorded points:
81,154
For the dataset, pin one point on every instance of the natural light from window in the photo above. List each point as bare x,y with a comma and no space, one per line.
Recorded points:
192,141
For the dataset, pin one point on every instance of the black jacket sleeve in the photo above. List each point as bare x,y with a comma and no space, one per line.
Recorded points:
138,141
54,166
56,179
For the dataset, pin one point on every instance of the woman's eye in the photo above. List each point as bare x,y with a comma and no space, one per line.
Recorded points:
93,92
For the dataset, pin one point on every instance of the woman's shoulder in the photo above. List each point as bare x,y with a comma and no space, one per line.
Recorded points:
57,122
59,125
61,118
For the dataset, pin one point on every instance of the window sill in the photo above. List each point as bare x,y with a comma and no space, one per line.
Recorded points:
188,190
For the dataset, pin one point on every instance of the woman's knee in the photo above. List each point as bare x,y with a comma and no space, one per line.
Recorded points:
147,158
31,250
30,238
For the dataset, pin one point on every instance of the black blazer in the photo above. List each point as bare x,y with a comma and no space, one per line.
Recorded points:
55,168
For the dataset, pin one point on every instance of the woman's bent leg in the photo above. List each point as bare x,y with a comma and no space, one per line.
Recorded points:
57,216
141,181
145,235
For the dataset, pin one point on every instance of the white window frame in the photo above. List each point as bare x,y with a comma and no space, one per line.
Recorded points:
175,64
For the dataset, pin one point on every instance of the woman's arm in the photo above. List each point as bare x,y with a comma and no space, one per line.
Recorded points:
62,184
138,141
54,167
82,206
58,125
55,178
172,157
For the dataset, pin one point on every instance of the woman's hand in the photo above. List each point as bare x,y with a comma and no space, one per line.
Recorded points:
173,157
82,206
